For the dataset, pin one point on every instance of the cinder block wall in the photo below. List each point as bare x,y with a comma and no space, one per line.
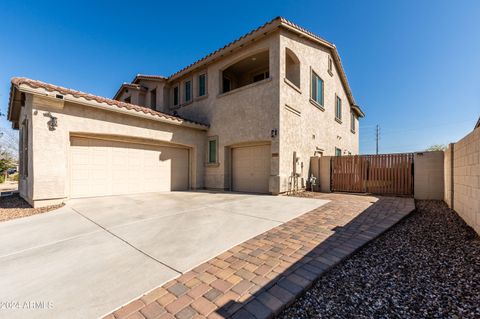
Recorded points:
466,179
429,175
448,180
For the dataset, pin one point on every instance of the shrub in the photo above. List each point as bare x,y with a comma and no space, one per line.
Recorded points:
2,178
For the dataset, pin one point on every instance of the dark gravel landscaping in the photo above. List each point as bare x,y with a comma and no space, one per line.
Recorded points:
427,266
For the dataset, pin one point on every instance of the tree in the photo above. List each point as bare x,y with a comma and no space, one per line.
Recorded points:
436,147
6,160
9,141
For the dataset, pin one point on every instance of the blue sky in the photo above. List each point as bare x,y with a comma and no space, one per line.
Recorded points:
413,66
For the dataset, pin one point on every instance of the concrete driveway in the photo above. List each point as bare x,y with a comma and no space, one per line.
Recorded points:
94,255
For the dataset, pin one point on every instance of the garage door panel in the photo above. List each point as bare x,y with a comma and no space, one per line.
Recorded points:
251,169
101,167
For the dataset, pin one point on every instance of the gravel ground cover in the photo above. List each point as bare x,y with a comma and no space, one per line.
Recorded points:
426,266
14,206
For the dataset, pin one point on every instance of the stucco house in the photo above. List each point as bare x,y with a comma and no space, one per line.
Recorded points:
247,118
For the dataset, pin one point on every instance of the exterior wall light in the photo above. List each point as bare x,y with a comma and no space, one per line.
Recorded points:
273,133
52,123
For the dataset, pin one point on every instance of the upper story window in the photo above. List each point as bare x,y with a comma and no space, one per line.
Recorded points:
202,84
251,69
352,122
317,89
338,108
260,76
187,91
176,96
226,84
153,99
128,99
292,67
338,151
330,65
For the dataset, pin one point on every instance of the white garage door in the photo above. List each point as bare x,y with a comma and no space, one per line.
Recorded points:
104,167
251,168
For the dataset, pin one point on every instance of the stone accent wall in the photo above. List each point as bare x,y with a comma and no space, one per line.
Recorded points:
466,179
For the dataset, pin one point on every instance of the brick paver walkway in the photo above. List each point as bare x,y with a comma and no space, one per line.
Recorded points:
261,276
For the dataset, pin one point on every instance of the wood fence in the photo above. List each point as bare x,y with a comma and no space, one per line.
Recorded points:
378,174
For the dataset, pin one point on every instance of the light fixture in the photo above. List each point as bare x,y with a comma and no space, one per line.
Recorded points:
273,133
52,123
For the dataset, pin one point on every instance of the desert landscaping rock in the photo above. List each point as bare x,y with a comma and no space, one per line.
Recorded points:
14,206
427,266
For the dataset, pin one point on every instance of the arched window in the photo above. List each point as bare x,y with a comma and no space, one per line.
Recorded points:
292,67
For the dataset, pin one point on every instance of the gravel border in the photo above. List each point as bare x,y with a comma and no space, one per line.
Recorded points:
426,266
12,207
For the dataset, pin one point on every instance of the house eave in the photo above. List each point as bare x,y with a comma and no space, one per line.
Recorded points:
106,107
358,110
128,86
24,85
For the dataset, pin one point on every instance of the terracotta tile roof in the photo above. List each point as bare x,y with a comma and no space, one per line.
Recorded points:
225,46
16,82
278,22
148,77
133,86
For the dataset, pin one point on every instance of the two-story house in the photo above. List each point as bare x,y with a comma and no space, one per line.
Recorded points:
247,118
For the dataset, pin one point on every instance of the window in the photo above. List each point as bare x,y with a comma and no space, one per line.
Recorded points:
330,65
338,108
128,99
187,91
153,99
202,84
338,152
352,122
24,149
226,84
175,96
317,89
260,76
212,150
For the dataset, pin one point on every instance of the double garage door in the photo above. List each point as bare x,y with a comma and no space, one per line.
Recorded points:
105,167
251,168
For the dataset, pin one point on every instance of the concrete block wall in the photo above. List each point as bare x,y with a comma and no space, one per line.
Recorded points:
429,175
465,179
320,168
448,178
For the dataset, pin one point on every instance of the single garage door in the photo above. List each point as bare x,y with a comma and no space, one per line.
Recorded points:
251,168
104,167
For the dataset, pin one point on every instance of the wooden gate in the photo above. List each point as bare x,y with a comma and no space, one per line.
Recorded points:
378,174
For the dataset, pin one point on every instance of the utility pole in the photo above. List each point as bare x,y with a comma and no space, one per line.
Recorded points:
377,135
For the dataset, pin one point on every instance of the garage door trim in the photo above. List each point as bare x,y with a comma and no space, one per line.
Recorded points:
176,167
232,166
